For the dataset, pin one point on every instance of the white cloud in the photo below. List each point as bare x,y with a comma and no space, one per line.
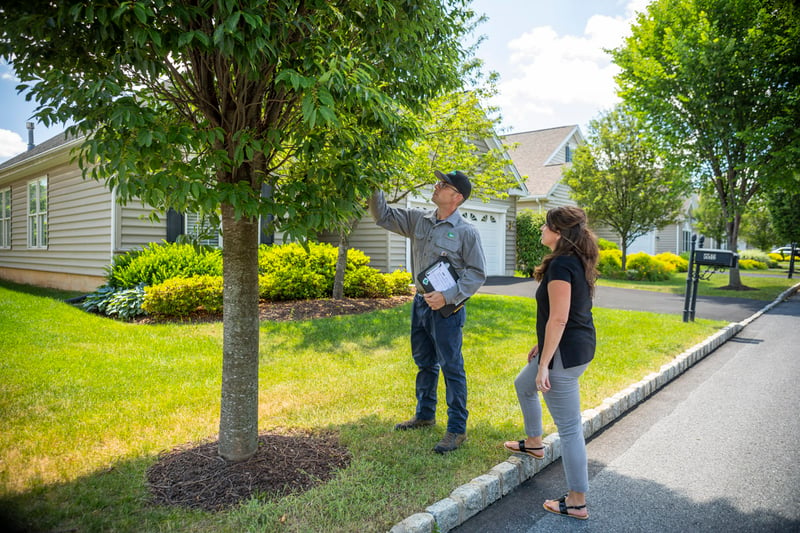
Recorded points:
11,144
562,79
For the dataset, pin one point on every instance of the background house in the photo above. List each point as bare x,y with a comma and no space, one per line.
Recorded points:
59,230
542,156
64,230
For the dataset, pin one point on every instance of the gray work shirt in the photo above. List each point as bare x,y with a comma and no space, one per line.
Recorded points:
452,237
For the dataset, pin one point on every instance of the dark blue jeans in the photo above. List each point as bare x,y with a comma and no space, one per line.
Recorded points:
435,344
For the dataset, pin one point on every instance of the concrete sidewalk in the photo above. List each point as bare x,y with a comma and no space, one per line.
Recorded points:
714,450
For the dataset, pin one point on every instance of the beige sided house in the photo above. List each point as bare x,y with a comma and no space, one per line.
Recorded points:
543,155
59,230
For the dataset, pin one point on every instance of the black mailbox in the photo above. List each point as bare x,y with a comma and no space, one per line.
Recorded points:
719,258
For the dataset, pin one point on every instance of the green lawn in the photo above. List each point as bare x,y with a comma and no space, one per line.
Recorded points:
87,403
762,284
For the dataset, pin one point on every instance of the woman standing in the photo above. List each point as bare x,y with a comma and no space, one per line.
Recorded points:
566,334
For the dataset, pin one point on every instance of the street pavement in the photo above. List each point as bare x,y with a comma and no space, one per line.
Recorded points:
710,307
714,450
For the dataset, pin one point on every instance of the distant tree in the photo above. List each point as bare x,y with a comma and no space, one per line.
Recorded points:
622,179
783,205
200,104
719,80
757,227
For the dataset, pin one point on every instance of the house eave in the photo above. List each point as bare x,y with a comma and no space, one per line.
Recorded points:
35,164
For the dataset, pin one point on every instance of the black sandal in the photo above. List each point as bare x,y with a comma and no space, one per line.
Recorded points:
563,508
523,449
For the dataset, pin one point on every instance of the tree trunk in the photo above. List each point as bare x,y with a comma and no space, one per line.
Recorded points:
734,277
624,254
341,259
341,266
238,424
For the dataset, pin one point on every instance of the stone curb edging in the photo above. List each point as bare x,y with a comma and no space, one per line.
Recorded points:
469,499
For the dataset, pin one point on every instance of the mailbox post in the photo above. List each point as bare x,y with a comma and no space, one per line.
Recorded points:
703,257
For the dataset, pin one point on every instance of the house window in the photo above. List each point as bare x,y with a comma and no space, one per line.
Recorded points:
5,218
201,231
687,241
37,213
567,154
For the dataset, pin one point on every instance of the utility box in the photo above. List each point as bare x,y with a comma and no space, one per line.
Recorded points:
718,258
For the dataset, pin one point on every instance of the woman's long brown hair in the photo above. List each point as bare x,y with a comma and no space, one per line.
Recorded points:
576,239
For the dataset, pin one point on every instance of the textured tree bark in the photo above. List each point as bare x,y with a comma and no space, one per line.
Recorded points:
341,259
238,425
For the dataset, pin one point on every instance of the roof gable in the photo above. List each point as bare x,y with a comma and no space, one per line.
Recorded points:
539,155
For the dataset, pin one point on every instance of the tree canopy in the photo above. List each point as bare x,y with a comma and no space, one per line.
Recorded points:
200,104
719,81
621,178
783,205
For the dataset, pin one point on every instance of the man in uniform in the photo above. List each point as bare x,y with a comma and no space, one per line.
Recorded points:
438,316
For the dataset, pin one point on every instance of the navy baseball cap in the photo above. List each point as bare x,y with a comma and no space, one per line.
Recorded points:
457,179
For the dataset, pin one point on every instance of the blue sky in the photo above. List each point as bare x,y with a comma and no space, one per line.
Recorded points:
548,53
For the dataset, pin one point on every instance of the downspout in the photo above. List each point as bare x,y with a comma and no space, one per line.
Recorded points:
114,224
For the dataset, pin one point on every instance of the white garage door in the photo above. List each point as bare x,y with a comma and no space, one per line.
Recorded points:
491,227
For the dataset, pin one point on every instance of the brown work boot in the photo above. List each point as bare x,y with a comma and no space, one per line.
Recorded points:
450,442
414,423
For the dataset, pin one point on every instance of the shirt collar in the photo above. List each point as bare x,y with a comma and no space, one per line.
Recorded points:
454,218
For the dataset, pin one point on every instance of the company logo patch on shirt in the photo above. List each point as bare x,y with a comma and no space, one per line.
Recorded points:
451,235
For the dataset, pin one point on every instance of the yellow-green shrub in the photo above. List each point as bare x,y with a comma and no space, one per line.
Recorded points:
679,263
399,282
605,244
183,296
609,262
642,266
751,264
366,282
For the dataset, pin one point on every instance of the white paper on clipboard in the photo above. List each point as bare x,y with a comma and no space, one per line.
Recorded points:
440,276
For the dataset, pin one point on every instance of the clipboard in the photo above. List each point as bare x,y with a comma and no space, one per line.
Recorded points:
440,276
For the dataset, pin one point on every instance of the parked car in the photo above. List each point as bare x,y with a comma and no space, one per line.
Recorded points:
785,251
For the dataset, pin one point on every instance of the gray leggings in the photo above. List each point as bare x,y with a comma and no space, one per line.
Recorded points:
564,403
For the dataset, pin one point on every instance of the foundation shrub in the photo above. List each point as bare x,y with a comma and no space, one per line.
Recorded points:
644,267
759,256
610,263
399,282
679,263
183,296
751,264
366,282
605,244
530,249
156,263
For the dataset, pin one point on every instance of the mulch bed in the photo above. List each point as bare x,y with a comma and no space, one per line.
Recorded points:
293,310
285,463
198,478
